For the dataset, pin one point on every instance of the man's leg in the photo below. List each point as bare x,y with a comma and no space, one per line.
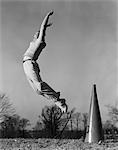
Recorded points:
49,92
45,90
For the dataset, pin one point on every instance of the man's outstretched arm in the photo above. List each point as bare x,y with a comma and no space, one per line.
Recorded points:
38,42
43,27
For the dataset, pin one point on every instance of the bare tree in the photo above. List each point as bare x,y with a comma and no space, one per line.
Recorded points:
38,126
14,126
23,124
71,124
51,117
10,126
113,113
77,120
108,126
6,107
84,120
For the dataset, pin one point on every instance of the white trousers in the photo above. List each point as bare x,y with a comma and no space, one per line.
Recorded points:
32,72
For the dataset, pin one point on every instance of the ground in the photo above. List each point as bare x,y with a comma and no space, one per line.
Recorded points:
54,144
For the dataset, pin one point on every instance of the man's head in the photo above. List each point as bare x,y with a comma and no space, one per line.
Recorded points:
62,100
61,103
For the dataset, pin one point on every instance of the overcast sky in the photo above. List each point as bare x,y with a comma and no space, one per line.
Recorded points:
81,50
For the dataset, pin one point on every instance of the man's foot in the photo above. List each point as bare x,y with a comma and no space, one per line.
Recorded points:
62,105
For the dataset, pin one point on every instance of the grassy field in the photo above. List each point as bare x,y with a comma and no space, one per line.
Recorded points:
53,144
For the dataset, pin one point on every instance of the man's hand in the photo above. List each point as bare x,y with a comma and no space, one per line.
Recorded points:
40,36
48,15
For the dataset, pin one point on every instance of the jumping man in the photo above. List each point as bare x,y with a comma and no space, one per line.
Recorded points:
31,67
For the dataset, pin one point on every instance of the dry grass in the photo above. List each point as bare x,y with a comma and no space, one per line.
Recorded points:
53,144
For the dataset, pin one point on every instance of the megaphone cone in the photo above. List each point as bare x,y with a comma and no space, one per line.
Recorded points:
95,132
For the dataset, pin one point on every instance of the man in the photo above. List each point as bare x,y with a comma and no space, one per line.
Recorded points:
32,70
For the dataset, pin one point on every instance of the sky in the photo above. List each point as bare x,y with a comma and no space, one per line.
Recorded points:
81,51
